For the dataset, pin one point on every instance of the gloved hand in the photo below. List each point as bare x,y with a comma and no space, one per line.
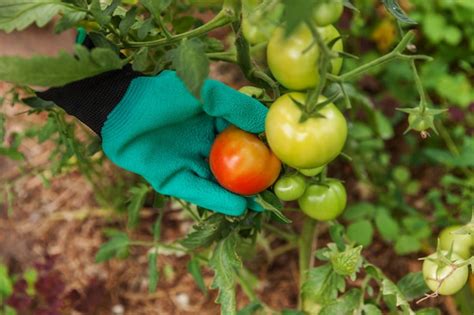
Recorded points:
158,129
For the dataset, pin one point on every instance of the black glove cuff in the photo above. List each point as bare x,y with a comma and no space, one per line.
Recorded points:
92,99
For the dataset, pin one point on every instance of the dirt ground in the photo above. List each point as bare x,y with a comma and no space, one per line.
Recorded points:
58,229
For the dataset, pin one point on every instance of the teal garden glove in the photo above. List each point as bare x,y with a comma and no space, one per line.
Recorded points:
155,127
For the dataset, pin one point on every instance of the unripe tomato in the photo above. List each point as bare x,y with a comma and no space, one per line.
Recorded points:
324,201
242,163
293,61
310,172
461,243
258,24
327,12
312,143
290,187
454,281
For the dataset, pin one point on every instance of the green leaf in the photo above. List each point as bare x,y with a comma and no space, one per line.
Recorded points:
418,227
205,233
98,14
100,41
336,231
387,226
137,200
69,20
389,288
152,271
346,263
413,285
6,286
31,276
371,309
428,311
19,14
195,271
361,232
393,7
359,211
128,21
344,305
296,12
191,64
383,126
115,247
322,284
225,262
145,28
141,61
251,308
12,153
271,203
407,244
155,7
60,70
433,26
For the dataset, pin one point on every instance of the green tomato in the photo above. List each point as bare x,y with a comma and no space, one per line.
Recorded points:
324,202
454,280
327,12
290,188
310,172
309,144
461,243
258,24
293,60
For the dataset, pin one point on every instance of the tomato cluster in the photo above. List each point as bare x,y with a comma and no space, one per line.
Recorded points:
448,278
301,136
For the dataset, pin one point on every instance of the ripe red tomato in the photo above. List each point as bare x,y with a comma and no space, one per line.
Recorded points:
242,163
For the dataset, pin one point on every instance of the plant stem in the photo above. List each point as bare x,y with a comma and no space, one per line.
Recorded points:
324,60
224,17
306,245
285,235
395,54
419,86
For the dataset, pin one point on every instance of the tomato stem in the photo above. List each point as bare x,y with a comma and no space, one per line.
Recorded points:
306,246
324,60
224,17
395,54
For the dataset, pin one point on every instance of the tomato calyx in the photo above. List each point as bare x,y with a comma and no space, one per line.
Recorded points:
314,113
421,119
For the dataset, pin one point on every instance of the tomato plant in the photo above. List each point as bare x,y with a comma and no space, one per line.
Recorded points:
290,187
445,279
242,163
294,60
304,144
309,96
324,201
